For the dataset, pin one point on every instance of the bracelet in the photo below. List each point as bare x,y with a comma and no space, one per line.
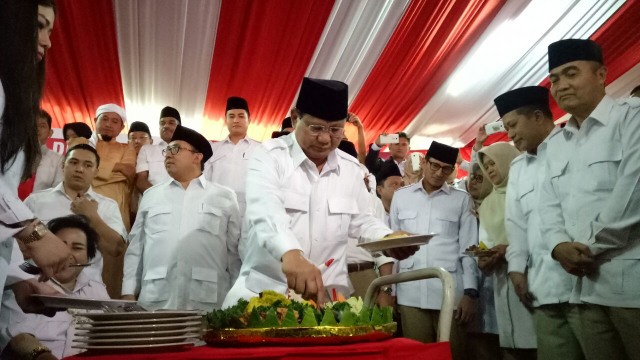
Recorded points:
37,351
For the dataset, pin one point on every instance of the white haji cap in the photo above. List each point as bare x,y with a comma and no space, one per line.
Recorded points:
114,109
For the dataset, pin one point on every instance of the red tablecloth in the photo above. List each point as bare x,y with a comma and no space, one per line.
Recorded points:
398,348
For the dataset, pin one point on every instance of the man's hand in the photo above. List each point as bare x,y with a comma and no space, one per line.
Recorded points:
50,254
378,140
128,170
575,258
128,297
481,137
23,291
81,205
354,120
302,276
488,264
401,253
385,299
466,311
519,281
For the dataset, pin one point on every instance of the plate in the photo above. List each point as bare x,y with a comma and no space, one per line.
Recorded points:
310,336
81,320
67,302
139,315
134,328
91,334
385,244
138,341
480,253
169,347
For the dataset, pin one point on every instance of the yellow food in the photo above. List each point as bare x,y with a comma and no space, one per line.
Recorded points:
395,236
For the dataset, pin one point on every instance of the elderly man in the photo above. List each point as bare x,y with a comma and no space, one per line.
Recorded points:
150,165
76,196
590,200
432,206
304,199
228,165
184,245
117,172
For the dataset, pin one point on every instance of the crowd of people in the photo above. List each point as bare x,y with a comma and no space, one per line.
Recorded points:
184,223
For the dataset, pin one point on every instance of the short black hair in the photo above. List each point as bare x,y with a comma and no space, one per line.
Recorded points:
84,147
81,129
46,116
635,90
404,135
79,222
530,109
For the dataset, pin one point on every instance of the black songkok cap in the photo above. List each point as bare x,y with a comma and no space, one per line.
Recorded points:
286,123
526,96
168,111
199,142
348,147
81,129
442,152
388,169
568,50
235,102
139,126
325,99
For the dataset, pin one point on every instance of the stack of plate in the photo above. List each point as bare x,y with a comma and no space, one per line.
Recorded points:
161,330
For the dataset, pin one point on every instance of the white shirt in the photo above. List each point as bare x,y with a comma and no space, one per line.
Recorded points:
592,196
183,253
49,172
228,166
527,252
446,212
293,207
53,203
57,332
150,159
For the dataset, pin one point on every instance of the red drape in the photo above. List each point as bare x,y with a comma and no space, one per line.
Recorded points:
83,67
247,63
426,46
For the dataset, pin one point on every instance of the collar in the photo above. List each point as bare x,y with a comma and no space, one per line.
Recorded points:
43,148
244,139
90,193
600,114
531,157
418,187
81,281
200,180
298,156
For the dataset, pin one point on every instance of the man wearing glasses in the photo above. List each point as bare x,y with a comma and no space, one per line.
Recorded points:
432,206
303,201
184,244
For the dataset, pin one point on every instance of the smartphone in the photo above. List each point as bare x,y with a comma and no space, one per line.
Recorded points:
389,139
494,127
415,161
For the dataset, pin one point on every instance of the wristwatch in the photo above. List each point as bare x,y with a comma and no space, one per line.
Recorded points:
386,289
37,351
472,293
39,231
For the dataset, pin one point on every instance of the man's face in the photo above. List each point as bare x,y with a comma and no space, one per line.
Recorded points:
184,161
137,139
237,122
313,135
436,178
109,125
389,187
44,131
523,130
167,126
79,169
578,85
399,150
76,241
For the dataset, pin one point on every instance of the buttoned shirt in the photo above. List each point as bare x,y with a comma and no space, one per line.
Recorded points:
53,203
49,172
447,213
293,206
527,252
184,246
150,159
592,196
57,332
228,166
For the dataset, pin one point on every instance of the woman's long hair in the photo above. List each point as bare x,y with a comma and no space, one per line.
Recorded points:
22,79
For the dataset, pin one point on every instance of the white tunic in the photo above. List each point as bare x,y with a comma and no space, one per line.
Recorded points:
183,253
49,172
592,196
292,206
150,159
446,212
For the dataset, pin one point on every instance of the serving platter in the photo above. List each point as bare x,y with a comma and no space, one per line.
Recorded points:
391,243
68,302
139,334
144,327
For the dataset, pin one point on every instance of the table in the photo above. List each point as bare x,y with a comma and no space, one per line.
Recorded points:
397,348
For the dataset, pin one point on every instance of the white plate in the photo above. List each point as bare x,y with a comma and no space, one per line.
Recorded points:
67,302
139,340
136,328
138,334
170,347
138,315
385,244
82,320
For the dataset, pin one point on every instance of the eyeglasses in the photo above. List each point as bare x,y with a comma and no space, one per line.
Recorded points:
447,170
333,131
174,150
478,179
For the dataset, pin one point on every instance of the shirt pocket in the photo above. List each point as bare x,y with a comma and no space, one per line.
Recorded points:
211,217
446,226
341,210
526,198
559,177
408,220
603,167
158,219
204,285
155,286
